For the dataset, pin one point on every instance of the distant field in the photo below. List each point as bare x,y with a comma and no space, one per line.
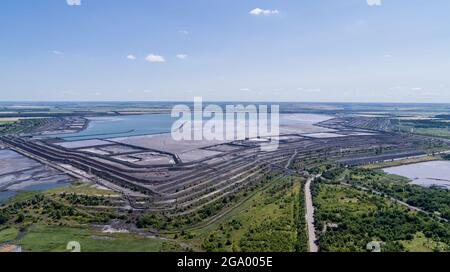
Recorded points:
8,120
426,126
399,162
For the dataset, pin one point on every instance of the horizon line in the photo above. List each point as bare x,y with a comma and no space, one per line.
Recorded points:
217,101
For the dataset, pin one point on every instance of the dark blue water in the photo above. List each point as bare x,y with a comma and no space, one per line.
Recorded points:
5,195
121,126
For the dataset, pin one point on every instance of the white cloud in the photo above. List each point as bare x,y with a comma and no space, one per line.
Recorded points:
374,2
184,32
59,53
131,57
182,56
266,12
155,58
245,90
73,2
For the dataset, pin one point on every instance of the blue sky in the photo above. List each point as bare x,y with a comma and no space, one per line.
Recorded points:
291,50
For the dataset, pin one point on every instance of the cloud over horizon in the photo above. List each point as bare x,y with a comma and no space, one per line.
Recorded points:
374,2
73,2
155,58
265,12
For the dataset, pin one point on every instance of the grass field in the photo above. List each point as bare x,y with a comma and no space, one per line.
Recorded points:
439,128
45,238
8,234
422,244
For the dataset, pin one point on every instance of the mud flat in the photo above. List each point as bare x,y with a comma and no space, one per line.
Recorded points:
94,138
21,173
303,123
433,173
324,135
135,125
83,143
147,158
189,150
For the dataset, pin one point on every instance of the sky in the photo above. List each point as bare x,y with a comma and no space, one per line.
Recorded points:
225,50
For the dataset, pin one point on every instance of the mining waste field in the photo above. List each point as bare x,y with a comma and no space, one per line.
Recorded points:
18,172
157,173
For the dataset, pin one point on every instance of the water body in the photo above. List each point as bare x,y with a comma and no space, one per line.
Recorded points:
46,186
121,126
5,195
19,173
147,124
434,173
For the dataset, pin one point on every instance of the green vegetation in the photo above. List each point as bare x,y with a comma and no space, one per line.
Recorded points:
393,163
420,243
8,234
429,127
266,216
299,213
3,218
434,200
175,223
347,219
4,123
85,200
52,218
81,188
19,126
46,238
29,208
155,221
268,221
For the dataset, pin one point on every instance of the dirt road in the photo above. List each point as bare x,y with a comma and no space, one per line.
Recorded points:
309,216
